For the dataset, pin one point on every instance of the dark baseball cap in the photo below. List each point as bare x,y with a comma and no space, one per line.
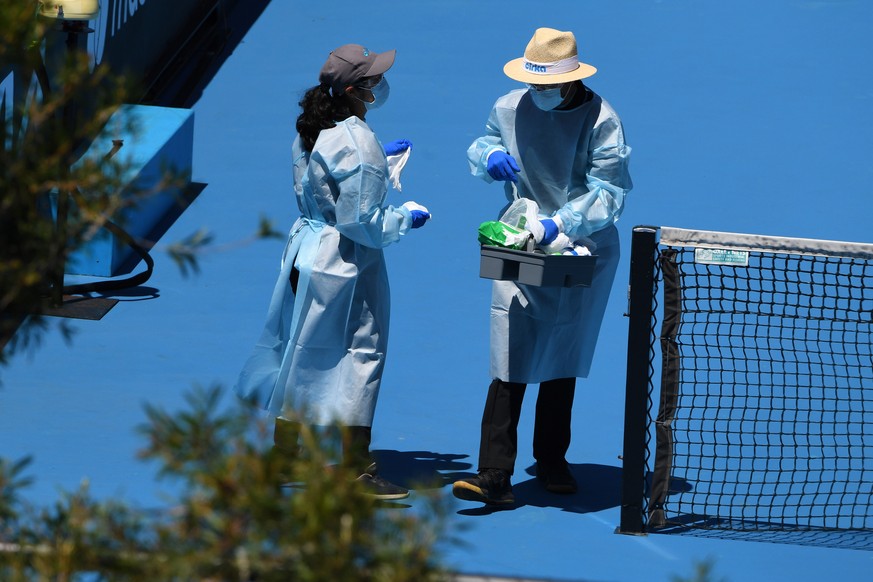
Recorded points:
352,62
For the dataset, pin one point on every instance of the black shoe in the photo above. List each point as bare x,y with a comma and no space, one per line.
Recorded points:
380,488
490,486
556,477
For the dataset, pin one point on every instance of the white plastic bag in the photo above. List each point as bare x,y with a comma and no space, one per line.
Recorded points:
524,214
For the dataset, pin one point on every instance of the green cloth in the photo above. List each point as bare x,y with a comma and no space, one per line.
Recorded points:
500,234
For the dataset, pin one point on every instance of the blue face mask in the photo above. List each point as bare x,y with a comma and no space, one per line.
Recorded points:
380,93
546,99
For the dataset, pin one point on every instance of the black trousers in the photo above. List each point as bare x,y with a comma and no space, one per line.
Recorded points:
498,446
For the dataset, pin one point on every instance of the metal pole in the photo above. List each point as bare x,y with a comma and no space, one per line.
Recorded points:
640,294
72,28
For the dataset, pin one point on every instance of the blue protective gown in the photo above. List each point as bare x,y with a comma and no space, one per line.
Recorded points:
575,164
323,349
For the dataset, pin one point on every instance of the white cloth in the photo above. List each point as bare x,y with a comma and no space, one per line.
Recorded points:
559,245
415,206
396,163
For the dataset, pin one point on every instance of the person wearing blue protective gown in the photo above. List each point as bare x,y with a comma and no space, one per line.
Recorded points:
322,352
558,143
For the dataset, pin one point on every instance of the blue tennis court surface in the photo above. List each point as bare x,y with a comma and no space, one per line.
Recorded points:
749,117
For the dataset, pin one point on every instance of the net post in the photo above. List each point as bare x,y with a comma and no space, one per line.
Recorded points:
640,298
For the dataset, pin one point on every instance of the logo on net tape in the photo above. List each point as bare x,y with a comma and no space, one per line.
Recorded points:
726,257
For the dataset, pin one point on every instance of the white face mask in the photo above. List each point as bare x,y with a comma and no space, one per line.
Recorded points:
546,99
380,92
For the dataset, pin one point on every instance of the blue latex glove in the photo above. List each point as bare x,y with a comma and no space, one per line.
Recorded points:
502,166
551,230
418,213
419,217
397,146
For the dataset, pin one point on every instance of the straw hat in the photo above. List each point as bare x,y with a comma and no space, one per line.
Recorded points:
549,59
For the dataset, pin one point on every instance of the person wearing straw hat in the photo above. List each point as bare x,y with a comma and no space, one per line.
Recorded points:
322,352
558,143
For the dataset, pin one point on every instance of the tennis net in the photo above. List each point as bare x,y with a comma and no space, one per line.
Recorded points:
761,349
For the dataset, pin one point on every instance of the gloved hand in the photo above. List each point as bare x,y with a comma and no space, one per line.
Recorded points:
397,146
578,251
502,166
419,213
561,243
552,230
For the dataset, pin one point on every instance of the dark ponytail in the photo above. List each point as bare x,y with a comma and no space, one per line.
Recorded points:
321,110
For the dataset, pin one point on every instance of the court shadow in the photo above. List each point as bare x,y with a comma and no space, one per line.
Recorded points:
138,293
599,488
421,469
713,527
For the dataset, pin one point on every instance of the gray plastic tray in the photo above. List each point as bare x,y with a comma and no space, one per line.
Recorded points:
536,269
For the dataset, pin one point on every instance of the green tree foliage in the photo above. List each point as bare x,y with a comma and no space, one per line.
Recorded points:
42,140
703,572
62,104
236,518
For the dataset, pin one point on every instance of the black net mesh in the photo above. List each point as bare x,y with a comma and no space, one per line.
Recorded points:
768,426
